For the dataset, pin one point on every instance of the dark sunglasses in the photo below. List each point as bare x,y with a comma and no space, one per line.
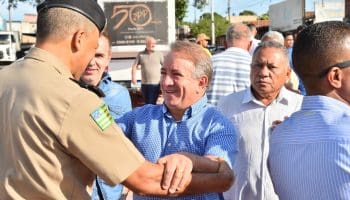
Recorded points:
341,65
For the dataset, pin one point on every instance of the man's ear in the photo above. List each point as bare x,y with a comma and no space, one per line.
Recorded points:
334,77
203,82
77,40
250,45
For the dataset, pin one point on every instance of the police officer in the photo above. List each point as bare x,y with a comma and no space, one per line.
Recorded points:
55,135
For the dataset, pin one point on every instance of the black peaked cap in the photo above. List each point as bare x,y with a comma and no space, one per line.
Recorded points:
88,8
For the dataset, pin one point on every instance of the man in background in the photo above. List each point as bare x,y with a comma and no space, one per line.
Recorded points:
115,96
231,68
255,42
149,61
202,40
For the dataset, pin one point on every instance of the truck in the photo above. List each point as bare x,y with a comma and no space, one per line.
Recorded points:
9,46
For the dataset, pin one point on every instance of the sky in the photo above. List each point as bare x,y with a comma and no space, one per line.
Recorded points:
220,6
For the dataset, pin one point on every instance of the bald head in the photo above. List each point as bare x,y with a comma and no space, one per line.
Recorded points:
238,35
273,36
316,48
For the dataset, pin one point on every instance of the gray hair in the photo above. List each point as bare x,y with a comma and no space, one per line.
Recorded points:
273,36
59,23
238,31
195,54
273,44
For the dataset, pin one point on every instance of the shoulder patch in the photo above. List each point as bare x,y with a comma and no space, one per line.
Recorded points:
102,117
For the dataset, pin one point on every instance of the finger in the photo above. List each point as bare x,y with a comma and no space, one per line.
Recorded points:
186,178
176,180
168,174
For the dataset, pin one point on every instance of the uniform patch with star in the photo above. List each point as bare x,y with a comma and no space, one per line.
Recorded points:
102,117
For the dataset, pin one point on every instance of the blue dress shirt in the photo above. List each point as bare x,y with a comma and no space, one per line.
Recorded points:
310,152
203,130
118,101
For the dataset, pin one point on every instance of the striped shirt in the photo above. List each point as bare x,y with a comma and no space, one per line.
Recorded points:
253,121
231,71
310,152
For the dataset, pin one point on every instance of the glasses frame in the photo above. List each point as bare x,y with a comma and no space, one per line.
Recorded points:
340,65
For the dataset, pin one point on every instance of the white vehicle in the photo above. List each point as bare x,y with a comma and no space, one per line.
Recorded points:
9,46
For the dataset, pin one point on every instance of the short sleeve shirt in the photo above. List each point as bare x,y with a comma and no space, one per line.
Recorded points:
151,64
48,127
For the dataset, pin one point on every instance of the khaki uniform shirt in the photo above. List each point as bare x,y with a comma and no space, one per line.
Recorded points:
51,143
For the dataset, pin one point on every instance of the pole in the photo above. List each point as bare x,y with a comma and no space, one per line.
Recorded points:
303,11
212,23
229,10
10,18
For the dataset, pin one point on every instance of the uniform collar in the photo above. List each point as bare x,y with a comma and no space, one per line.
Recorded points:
282,97
45,56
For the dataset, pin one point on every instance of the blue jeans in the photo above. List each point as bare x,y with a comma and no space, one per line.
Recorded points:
150,93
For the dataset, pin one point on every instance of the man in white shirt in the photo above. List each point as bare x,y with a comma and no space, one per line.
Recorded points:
253,111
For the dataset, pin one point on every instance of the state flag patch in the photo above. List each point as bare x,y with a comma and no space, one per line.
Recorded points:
102,117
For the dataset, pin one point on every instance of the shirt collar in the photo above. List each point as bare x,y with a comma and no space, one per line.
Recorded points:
319,102
193,110
282,97
52,60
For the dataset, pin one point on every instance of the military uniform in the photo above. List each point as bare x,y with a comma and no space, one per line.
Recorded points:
48,126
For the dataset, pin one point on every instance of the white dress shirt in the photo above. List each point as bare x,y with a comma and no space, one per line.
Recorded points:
253,121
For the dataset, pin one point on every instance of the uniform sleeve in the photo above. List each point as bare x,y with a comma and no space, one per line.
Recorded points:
97,142
222,140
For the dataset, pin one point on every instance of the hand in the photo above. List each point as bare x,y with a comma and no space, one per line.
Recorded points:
177,172
277,122
133,81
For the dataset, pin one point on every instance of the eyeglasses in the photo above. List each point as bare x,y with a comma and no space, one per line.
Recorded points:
341,65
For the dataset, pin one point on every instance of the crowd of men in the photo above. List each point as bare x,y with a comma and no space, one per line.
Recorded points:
232,126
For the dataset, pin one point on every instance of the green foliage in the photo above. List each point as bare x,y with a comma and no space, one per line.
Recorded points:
200,4
246,13
264,16
180,10
204,25
14,3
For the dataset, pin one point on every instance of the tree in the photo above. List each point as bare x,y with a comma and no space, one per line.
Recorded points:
200,4
264,16
204,24
246,13
14,3
180,10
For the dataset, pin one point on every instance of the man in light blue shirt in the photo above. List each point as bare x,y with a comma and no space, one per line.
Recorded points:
310,151
186,123
116,97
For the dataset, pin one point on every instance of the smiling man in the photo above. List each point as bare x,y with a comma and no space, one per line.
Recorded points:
96,74
116,97
253,112
186,123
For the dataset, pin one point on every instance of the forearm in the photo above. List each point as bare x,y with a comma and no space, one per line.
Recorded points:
203,164
211,182
146,180
133,72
